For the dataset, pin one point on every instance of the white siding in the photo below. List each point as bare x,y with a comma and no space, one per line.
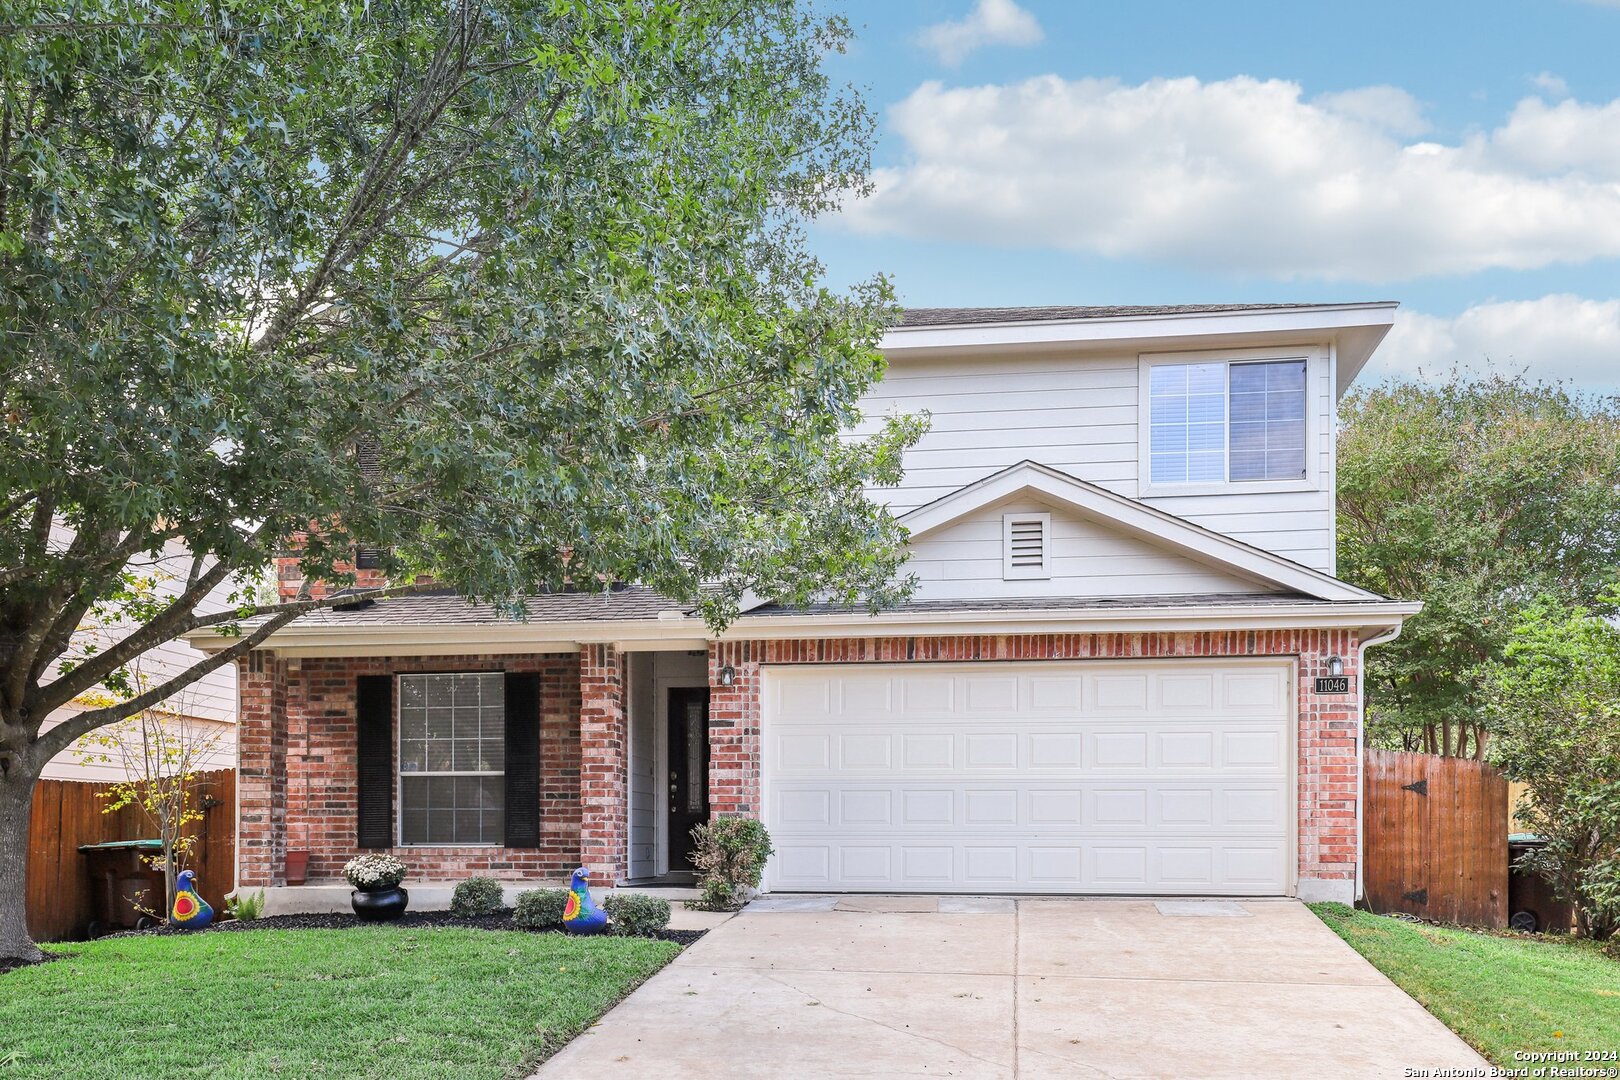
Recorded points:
1077,412
91,763
210,700
1087,558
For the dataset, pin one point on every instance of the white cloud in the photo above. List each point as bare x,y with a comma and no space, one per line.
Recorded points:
1388,108
1568,138
993,22
1551,84
1249,176
1556,337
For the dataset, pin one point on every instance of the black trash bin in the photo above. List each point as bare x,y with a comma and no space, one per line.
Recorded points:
1533,907
121,876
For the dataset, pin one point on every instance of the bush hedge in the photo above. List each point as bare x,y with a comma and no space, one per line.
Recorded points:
540,909
635,914
476,896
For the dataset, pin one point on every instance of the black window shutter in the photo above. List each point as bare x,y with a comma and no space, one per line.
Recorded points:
522,761
374,755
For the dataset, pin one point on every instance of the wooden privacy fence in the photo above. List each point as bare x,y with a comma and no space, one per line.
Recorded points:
68,813
1436,838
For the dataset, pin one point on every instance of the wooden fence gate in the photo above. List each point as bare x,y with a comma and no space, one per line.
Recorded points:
68,813
1436,838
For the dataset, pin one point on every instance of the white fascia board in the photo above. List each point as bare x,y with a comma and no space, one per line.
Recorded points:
1168,619
1325,317
1133,517
686,634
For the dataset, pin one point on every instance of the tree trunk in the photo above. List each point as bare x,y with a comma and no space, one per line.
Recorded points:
16,805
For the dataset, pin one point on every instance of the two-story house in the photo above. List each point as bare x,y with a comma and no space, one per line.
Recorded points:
1129,667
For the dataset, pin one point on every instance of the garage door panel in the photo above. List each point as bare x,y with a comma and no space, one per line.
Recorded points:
1104,866
1160,776
1035,806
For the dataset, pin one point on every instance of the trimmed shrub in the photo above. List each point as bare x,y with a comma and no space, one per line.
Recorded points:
635,914
730,855
540,909
476,896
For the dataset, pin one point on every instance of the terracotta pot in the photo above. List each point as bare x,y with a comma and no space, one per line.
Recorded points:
297,867
379,905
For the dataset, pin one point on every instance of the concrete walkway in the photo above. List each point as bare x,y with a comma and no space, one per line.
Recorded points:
806,987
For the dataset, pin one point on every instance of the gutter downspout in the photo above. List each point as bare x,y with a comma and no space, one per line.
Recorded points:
1361,745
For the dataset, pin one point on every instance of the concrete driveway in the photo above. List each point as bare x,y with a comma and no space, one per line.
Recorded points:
994,988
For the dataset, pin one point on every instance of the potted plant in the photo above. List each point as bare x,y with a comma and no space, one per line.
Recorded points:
375,879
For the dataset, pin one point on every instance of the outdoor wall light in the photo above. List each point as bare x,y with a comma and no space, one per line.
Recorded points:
1335,666
728,675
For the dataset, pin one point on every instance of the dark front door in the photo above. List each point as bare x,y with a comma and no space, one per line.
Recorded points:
688,770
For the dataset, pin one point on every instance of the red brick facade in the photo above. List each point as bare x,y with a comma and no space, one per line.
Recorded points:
604,776
299,786
297,744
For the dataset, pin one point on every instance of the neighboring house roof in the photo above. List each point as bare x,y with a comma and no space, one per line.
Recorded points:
983,316
1137,518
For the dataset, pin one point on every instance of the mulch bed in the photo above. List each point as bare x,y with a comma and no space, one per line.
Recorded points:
501,920
13,964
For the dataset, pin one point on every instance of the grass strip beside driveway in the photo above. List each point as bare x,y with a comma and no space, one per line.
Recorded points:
368,1002
1502,993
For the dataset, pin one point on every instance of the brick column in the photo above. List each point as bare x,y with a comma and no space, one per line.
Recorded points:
603,765
1329,781
261,749
734,747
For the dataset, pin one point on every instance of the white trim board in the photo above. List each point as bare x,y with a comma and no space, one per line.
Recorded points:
1355,331
1130,616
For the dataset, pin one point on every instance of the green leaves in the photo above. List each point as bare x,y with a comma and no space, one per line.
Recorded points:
1473,496
1555,702
545,256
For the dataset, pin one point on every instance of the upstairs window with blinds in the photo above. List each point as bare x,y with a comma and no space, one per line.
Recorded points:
1026,544
452,758
1223,422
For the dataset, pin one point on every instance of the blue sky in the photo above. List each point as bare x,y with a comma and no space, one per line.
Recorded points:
1463,159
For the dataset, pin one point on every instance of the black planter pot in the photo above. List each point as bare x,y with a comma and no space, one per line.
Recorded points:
379,905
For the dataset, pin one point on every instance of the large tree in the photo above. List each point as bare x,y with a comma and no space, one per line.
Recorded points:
1476,496
1555,699
511,291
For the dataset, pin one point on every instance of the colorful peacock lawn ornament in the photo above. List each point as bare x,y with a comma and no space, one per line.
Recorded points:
191,911
580,913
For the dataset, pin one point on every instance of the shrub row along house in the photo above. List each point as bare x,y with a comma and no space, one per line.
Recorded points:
1128,667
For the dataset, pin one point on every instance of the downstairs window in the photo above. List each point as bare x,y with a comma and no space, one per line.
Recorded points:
452,758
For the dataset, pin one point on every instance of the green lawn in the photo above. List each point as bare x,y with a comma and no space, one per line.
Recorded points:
381,1002
1501,993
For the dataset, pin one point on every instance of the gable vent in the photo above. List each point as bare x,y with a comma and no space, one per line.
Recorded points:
1025,545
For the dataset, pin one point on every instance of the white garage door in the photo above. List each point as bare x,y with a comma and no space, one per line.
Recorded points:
1168,776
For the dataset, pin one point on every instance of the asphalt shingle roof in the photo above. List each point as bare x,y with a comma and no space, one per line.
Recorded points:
1057,603
971,316
446,608
637,602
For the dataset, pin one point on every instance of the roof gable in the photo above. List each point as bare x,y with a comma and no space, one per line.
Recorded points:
1163,530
